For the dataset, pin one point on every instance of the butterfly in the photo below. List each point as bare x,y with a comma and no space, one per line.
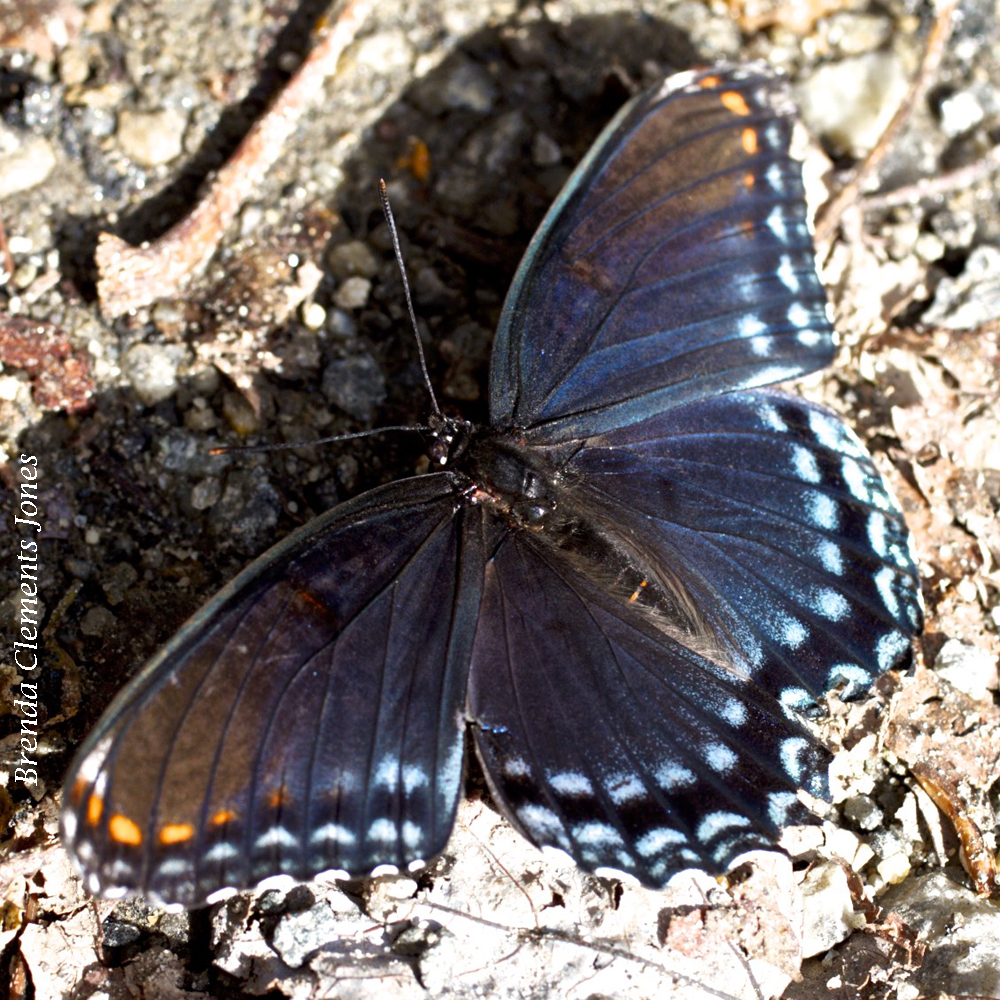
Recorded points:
628,588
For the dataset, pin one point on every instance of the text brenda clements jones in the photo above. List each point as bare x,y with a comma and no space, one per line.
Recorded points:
26,649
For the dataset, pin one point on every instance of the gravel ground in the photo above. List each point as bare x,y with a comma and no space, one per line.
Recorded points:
112,116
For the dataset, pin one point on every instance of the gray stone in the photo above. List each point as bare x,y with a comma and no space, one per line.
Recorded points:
152,370
827,909
965,931
967,668
851,101
355,384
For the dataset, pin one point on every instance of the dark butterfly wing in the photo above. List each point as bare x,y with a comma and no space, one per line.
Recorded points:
677,263
613,743
776,509
607,734
310,717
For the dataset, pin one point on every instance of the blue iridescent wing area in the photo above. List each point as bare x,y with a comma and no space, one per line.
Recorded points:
677,263
310,717
616,744
607,734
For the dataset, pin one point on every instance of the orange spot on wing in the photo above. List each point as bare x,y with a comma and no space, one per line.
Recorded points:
277,798
124,830
638,591
305,595
734,101
708,82
749,180
749,140
176,833
95,806
223,816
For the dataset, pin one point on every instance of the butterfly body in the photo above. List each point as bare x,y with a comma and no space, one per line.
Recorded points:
628,586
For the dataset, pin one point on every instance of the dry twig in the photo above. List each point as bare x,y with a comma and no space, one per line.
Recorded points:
830,214
131,277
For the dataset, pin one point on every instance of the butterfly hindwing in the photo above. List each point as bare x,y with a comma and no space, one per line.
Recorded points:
677,263
606,738
776,508
653,725
310,717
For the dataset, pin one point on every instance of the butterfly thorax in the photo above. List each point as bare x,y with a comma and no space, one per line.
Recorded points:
538,497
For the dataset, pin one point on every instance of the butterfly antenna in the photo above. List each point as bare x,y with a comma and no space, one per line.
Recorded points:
387,212
289,445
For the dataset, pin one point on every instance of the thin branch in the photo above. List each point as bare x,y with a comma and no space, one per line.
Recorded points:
830,214
131,277
934,187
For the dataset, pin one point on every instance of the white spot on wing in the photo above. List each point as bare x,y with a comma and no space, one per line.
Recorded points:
780,806
414,777
333,833
717,823
541,820
625,787
276,836
856,678
830,556
221,894
770,417
806,466
823,511
794,700
671,775
384,831
791,632
890,648
776,223
614,873
791,751
787,275
750,325
221,852
597,835
885,580
516,767
831,604
877,535
719,757
387,773
800,318
734,712
571,784
657,840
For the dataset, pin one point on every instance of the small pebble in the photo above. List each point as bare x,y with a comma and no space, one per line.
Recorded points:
152,370
26,167
353,293
151,138
313,315
351,259
967,668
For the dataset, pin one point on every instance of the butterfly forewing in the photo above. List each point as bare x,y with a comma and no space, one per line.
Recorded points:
311,717
676,264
